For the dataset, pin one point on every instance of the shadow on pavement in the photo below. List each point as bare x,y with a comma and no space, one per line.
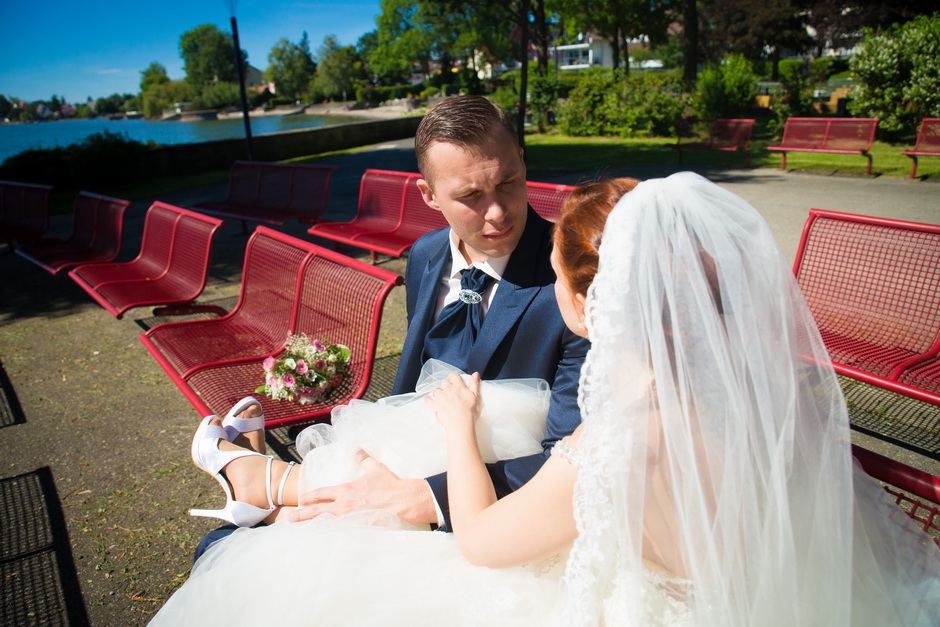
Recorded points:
40,583
11,412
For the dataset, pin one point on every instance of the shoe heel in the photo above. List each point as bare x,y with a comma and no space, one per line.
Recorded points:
221,514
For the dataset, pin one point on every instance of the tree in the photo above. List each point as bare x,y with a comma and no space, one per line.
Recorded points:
338,69
727,89
758,27
159,98
839,23
690,41
153,76
111,104
291,67
208,56
898,71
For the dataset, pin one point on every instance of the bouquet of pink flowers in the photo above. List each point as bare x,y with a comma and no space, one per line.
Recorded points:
307,371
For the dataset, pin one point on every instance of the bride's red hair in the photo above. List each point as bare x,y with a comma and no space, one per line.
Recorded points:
578,232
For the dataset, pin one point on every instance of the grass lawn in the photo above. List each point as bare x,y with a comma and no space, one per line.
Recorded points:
554,151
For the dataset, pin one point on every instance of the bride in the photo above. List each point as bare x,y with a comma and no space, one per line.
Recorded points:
711,482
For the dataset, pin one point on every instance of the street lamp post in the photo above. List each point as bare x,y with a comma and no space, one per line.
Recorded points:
241,79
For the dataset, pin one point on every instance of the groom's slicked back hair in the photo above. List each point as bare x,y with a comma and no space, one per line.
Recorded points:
465,121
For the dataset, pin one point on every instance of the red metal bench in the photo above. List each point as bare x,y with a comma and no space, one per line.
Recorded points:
416,219
730,135
98,223
380,209
392,214
170,269
917,492
873,286
928,143
273,193
834,135
288,286
24,211
546,198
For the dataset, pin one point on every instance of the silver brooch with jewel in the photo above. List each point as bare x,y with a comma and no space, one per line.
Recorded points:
470,297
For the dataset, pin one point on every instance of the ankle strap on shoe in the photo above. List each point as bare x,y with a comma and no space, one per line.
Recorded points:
280,488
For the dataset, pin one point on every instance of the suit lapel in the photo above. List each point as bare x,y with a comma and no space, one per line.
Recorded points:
517,289
425,303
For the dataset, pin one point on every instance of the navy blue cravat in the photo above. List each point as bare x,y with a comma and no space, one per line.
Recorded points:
451,338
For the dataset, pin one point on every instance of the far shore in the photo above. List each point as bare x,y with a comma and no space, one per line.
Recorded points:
383,112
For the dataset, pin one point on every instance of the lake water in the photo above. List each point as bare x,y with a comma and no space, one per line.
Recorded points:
15,138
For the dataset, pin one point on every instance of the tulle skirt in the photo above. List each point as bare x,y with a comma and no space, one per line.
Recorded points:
363,569
370,568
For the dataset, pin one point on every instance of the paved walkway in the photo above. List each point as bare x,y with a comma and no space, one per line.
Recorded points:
95,478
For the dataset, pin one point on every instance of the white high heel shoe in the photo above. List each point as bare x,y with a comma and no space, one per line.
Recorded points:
234,425
207,456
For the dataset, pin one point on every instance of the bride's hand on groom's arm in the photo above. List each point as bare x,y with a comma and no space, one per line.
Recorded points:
377,488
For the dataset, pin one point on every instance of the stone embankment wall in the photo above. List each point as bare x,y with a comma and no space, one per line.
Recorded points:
219,155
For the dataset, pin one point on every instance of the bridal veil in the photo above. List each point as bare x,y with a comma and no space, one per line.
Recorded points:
716,441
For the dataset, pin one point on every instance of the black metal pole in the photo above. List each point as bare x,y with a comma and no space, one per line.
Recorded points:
241,86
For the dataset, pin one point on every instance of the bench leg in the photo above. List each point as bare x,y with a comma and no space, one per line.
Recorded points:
245,227
783,161
913,166
748,153
868,170
679,150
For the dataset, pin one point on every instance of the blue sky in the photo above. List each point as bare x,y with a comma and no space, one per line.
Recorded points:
98,47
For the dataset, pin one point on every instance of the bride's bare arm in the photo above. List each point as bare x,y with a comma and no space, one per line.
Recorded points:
534,522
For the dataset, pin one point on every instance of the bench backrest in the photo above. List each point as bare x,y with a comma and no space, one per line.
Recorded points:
25,206
98,223
417,217
731,132
191,245
340,301
269,284
873,279
381,193
830,133
302,188
928,138
157,239
546,198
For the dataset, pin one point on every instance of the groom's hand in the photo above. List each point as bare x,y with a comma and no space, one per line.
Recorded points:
377,488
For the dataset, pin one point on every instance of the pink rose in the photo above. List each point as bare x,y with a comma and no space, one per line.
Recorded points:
318,345
302,367
337,379
289,380
319,364
268,364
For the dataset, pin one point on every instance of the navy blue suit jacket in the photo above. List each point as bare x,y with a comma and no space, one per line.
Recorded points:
523,336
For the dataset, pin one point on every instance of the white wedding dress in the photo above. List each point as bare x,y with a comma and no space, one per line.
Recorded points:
371,568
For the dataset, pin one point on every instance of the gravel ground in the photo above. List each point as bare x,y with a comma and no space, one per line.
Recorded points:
95,476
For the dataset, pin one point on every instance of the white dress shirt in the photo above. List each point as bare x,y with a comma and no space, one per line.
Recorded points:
450,287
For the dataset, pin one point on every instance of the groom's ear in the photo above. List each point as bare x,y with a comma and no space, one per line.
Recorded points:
428,194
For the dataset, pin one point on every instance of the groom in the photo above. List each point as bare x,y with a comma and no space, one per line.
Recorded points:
473,172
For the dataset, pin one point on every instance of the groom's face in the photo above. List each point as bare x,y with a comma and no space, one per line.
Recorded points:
482,193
